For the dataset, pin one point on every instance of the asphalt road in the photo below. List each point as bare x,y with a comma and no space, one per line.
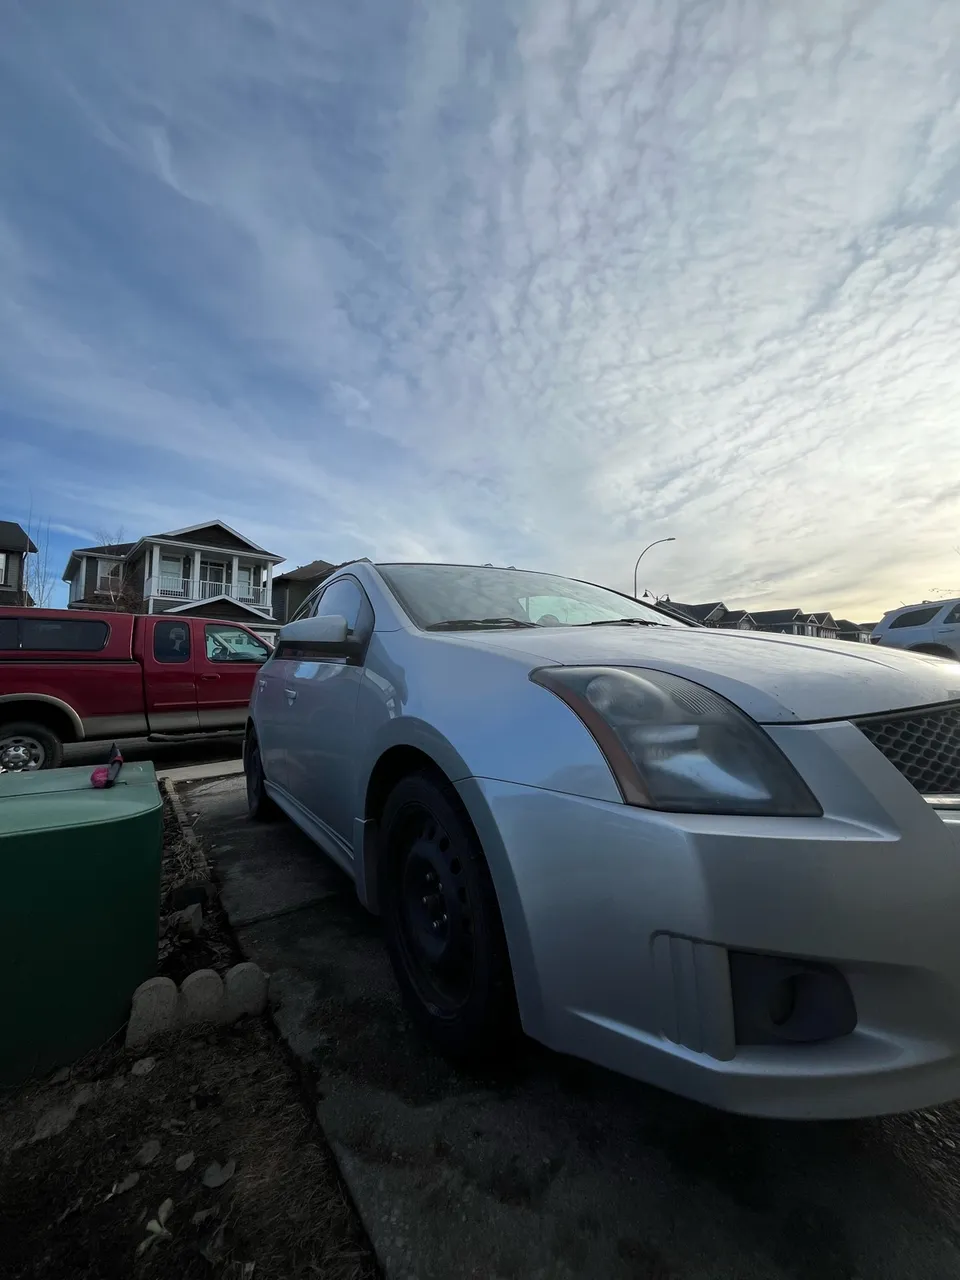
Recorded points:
164,755
551,1168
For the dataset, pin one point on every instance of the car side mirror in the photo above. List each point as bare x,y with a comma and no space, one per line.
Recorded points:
328,632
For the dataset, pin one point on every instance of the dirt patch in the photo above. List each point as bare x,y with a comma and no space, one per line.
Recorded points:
97,1161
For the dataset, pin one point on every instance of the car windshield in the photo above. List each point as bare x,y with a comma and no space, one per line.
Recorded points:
448,595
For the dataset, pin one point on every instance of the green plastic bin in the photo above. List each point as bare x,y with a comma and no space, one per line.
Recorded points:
79,910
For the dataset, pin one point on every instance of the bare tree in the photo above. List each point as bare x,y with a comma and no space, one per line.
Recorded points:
38,575
118,583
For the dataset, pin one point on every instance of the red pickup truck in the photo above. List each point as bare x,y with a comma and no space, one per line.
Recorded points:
66,676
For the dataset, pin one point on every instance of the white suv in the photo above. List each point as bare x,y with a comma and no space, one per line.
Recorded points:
922,628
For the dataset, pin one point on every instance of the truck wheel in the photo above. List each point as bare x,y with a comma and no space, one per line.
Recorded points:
259,805
25,747
444,931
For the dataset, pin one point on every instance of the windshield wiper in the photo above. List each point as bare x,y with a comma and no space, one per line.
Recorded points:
617,622
476,624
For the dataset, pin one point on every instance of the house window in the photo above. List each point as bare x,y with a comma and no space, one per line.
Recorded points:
109,574
3,568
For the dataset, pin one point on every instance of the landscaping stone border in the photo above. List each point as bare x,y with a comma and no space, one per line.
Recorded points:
203,996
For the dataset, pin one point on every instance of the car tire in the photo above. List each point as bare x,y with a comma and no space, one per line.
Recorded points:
34,744
444,930
260,808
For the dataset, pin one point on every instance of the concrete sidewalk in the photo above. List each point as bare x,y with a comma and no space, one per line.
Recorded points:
554,1169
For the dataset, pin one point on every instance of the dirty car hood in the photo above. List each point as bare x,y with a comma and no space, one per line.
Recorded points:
775,679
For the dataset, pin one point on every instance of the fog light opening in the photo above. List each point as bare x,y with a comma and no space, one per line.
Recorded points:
781,1001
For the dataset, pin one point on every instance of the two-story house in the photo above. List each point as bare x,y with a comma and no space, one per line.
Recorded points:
15,545
206,570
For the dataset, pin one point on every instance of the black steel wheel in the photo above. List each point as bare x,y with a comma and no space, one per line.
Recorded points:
444,930
259,805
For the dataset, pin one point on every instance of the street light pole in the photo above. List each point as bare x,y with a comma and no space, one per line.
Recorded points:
640,557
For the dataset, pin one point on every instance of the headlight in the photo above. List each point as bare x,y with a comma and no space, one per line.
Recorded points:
675,745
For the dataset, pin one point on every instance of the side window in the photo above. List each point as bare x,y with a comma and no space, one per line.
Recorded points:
346,599
306,609
952,618
916,617
9,639
171,642
63,634
233,644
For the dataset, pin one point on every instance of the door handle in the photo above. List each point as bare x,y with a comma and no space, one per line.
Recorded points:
212,676
291,696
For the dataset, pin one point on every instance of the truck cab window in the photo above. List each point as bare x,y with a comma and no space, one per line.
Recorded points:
171,642
233,644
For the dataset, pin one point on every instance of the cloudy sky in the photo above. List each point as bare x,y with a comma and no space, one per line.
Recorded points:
527,281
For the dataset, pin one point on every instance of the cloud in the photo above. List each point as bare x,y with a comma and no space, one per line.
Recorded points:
534,284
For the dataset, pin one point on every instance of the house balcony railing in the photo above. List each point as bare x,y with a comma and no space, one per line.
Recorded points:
171,588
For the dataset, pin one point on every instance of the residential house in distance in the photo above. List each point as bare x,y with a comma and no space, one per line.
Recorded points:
858,631
790,622
206,570
716,614
15,545
290,589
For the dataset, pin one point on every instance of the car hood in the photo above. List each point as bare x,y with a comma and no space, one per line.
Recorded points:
774,679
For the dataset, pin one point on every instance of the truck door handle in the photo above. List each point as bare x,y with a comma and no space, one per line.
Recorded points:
211,676
291,696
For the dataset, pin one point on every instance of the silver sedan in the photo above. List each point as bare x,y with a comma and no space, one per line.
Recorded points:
723,862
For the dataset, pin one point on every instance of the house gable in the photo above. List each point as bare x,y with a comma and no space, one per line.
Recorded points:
214,534
220,608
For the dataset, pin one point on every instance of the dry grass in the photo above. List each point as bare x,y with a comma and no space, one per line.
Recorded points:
225,1095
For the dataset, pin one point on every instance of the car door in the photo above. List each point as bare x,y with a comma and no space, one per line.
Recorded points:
948,631
228,659
169,675
322,696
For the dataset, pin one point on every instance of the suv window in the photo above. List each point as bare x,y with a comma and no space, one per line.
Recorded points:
953,616
171,642
916,617
233,644
65,635
346,599
9,636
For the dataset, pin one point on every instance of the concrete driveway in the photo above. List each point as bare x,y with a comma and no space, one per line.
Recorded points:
555,1169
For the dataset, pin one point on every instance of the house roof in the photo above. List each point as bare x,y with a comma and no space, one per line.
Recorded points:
306,572
776,615
178,534
117,550
699,611
14,538
736,615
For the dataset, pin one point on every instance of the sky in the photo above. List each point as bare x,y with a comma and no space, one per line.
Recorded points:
530,282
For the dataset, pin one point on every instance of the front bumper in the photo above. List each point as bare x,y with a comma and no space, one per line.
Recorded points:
620,922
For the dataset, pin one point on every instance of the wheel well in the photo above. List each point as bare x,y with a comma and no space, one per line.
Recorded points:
44,713
393,765
935,650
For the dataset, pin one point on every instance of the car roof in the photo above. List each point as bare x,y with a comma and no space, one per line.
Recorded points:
921,604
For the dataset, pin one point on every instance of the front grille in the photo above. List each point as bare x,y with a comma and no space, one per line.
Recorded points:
924,745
